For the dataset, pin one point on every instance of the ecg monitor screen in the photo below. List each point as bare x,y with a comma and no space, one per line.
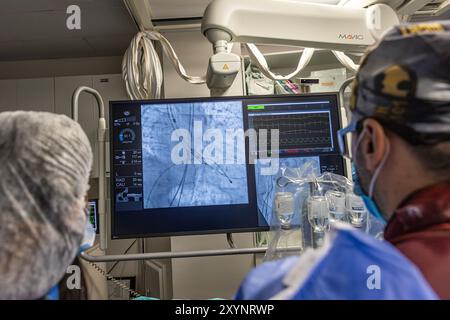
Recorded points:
182,166
303,126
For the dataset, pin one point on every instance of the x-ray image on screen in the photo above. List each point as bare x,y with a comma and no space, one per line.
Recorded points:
205,181
266,184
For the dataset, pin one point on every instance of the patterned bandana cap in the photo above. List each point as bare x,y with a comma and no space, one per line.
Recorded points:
404,82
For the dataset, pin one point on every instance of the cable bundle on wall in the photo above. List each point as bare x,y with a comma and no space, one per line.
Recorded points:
142,69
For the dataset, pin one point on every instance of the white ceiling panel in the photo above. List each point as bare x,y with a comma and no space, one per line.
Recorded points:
39,49
103,46
36,29
20,6
175,9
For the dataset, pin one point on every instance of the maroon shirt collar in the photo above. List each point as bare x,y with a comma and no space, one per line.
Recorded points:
423,209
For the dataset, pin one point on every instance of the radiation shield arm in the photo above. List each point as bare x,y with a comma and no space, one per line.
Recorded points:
101,134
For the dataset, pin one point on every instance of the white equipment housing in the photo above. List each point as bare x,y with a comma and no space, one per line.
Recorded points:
222,69
343,26
287,22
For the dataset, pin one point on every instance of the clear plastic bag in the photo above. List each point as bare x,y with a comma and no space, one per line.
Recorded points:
306,204
257,83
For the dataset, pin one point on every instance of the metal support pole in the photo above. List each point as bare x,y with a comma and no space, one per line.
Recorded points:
175,255
344,112
101,156
342,89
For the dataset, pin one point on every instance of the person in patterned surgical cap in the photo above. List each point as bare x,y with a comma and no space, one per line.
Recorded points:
400,143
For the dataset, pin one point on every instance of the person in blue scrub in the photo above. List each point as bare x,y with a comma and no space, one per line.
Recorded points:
400,133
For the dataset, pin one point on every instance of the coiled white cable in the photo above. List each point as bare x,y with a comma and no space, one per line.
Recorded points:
142,70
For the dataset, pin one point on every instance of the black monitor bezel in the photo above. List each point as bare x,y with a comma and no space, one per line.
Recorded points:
250,167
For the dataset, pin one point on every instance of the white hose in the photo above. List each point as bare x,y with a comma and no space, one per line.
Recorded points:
258,58
142,70
345,60
341,56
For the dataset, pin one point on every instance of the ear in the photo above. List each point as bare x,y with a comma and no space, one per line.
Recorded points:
373,145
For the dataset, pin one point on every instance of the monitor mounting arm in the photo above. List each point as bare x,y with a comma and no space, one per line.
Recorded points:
288,22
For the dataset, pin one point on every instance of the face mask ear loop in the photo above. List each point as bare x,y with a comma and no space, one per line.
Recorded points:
358,142
378,170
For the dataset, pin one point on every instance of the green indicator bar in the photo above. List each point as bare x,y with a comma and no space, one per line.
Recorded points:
255,107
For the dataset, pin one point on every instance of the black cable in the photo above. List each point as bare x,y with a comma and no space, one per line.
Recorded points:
126,251
114,280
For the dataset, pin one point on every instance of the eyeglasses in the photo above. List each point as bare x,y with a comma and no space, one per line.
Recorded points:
345,148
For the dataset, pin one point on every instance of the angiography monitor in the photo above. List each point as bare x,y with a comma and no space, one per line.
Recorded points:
181,166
